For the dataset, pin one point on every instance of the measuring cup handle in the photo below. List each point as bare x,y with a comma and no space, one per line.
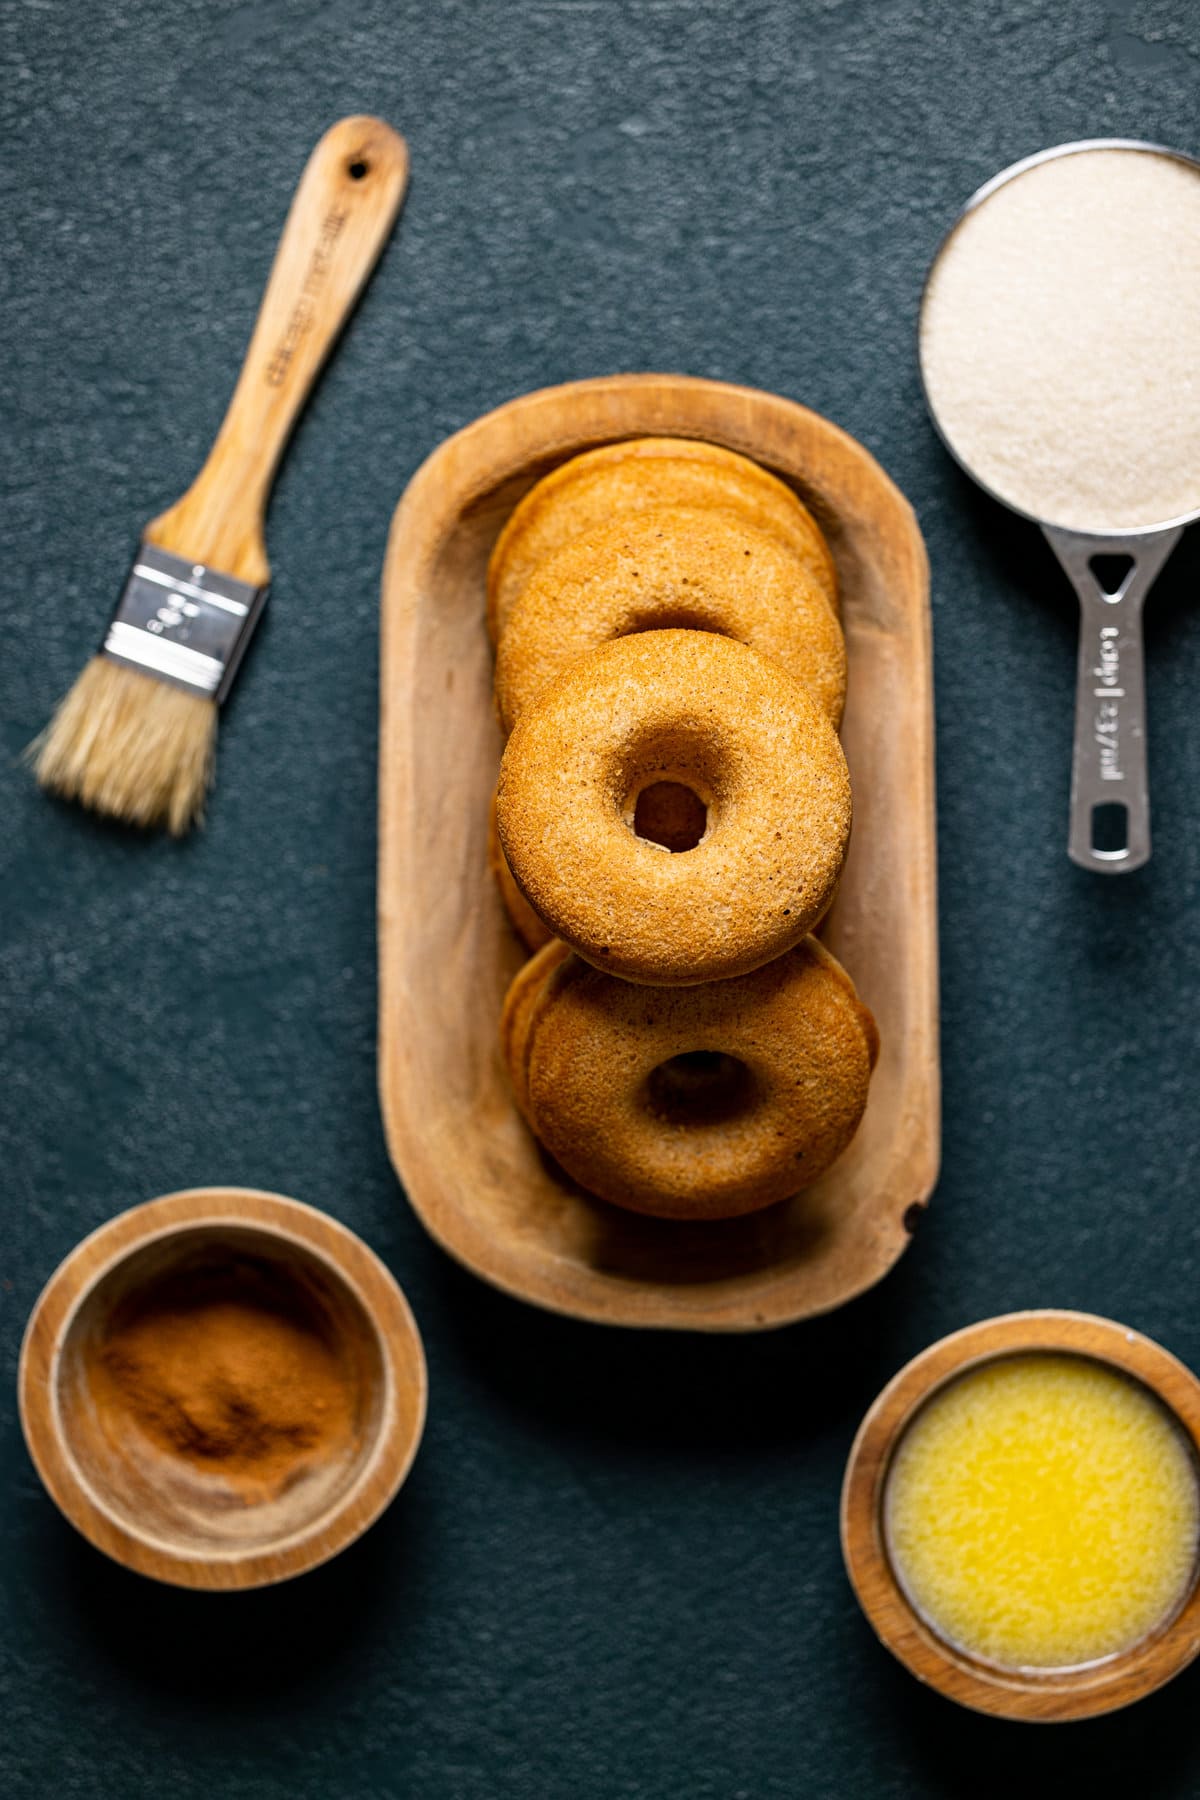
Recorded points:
1109,767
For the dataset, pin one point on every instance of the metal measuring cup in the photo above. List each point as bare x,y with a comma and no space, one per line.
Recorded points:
1108,774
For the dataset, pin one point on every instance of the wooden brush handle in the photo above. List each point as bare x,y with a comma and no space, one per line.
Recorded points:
343,210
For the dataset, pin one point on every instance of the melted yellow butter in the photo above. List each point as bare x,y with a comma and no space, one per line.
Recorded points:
1043,1511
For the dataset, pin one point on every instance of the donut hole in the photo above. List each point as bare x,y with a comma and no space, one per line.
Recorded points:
700,1087
670,814
670,787
676,617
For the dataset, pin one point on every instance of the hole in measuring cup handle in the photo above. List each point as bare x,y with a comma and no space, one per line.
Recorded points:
1110,829
1112,572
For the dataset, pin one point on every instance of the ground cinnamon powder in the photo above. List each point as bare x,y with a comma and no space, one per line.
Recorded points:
234,1369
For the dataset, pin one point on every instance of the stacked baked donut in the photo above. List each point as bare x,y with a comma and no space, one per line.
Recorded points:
669,828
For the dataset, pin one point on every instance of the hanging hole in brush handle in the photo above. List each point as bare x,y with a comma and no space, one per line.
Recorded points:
1110,794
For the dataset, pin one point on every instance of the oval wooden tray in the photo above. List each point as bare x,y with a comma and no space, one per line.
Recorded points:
470,1167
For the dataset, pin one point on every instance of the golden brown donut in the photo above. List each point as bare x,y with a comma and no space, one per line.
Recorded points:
670,566
718,718
531,930
701,1102
591,489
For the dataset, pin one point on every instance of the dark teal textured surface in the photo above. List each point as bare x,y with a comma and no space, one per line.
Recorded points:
614,1574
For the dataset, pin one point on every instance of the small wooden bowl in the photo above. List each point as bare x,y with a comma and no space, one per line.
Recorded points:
165,1513
1050,1695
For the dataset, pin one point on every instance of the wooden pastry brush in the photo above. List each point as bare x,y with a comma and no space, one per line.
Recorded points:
135,737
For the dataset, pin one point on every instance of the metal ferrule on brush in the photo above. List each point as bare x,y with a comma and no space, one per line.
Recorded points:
183,622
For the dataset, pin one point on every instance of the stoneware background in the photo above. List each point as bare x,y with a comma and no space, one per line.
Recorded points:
614,1573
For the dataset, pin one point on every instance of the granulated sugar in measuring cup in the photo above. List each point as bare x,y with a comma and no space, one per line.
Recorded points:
1060,351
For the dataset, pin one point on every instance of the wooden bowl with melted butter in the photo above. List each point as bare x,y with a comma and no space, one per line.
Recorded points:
1021,1516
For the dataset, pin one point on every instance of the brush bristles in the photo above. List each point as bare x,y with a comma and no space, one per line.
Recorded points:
127,745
